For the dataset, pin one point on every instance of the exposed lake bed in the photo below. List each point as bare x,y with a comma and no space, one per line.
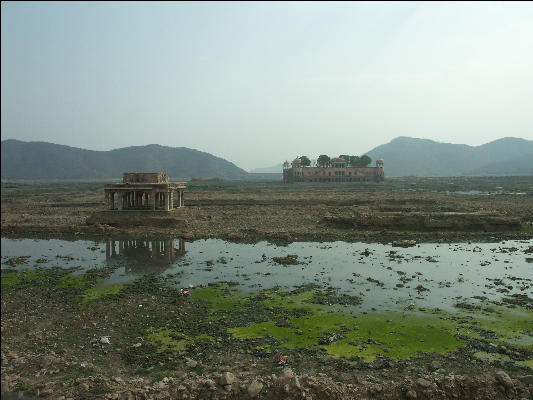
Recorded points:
161,308
256,293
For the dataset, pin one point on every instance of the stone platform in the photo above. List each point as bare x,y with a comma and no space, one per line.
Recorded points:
131,218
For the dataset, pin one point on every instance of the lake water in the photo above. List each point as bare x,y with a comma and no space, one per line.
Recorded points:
386,277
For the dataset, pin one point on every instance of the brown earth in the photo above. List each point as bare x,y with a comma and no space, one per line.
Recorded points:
259,211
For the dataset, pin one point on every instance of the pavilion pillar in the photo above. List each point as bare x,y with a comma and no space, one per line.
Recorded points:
120,200
167,201
152,199
182,200
171,199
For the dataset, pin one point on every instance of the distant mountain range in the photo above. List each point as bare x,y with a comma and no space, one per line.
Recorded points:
406,156
268,170
403,156
41,160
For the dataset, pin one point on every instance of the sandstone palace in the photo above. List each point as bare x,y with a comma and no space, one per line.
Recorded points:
336,170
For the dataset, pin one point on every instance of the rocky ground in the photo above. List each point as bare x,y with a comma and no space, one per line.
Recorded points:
149,340
257,211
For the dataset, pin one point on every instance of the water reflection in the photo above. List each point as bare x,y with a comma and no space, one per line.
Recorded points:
144,256
426,275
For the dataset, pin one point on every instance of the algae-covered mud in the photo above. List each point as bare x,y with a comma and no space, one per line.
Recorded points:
164,318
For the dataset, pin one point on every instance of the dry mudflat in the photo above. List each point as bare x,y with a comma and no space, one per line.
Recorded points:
254,211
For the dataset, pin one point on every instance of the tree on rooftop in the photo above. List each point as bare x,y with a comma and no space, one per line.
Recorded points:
353,161
306,162
323,160
364,161
345,157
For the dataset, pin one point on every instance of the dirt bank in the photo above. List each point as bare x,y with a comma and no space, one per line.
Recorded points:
259,211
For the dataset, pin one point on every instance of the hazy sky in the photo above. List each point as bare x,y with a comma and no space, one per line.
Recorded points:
257,83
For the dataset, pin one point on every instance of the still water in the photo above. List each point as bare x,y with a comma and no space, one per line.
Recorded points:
386,277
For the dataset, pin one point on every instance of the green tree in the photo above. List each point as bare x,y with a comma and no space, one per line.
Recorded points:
345,157
306,162
354,161
365,161
323,160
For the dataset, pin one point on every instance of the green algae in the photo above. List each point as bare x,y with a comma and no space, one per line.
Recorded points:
73,281
220,298
169,339
396,335
10,278
527,363
491,357
496,357
205,337
339,332
505,324
13,278
97,292
172,340
366,336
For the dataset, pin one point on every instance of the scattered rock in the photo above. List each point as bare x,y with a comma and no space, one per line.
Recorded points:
255,388
227,378
286,375
411,395
504,379
190,363
296,383
423,382
435,365
105,340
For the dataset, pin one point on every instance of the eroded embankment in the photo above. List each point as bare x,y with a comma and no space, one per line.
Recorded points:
254,212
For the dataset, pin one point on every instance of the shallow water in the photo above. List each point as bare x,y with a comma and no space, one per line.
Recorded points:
389,278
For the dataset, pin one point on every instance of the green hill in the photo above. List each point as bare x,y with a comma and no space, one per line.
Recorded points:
41,160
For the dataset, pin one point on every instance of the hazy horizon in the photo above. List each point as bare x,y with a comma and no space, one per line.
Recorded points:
258,83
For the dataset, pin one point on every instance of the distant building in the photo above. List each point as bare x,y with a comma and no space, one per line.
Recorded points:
144,191
338,171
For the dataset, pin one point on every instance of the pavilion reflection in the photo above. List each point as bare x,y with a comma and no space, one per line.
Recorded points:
144,256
